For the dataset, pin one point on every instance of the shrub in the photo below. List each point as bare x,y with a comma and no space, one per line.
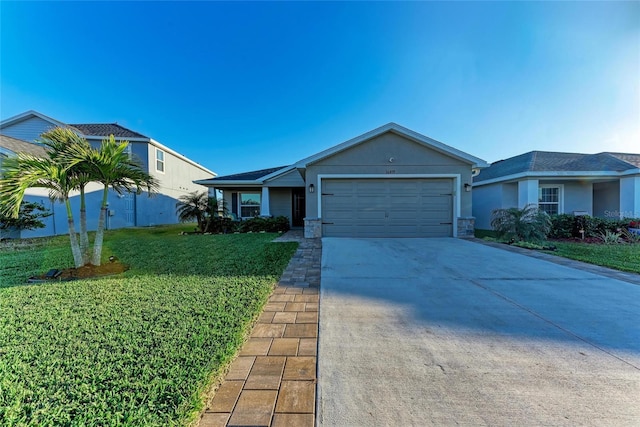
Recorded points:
270,225
610,238
529,224
565,226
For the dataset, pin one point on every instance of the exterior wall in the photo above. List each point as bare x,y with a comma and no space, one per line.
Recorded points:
578,197
28,129
289,179
485,199
373,157
509,195
606,199
630,197
280,199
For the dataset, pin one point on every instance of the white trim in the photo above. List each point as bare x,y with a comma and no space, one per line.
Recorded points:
563,175
402,131
277,173
155,158
236,183
456,188
560,188
180,156
27,114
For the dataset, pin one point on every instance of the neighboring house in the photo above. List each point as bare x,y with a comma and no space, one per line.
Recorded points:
174,172
389,182
605,185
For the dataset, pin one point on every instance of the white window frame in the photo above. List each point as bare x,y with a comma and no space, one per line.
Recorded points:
560,202
162,161
240,205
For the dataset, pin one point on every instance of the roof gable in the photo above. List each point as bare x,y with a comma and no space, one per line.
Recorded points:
27,115
402,131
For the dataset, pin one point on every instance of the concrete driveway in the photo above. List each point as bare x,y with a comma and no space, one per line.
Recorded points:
452,332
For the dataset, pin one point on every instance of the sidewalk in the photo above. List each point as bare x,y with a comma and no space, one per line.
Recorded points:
273,380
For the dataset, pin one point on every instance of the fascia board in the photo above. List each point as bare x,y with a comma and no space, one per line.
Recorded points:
26,114
214,183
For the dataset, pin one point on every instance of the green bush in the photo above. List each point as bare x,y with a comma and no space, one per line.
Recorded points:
528,224
565,226
270,225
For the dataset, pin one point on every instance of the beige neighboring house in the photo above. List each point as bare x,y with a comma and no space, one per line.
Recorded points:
175,173
389,182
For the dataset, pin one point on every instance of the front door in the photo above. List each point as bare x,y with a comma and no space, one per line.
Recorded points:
298,207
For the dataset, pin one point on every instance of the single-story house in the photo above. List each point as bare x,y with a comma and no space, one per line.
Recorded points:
605,185
389,182
175,174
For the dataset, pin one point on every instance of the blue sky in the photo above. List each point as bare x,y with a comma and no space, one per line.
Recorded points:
243,86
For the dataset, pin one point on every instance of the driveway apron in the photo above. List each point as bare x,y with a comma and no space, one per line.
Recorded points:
448,332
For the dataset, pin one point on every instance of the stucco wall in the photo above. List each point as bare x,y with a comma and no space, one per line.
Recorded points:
373,157
606,198
485,199
280,202
289,179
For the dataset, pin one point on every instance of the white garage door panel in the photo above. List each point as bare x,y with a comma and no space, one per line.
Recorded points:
387,207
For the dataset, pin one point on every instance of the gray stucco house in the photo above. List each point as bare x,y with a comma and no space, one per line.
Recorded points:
389,182
174,172
603,185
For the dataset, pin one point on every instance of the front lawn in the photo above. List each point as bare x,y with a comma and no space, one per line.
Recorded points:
136,349
624,257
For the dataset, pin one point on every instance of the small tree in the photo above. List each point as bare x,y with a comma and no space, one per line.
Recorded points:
529,224
28,218
201,207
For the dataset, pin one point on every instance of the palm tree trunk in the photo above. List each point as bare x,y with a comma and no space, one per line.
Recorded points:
75,246
84,235
97,242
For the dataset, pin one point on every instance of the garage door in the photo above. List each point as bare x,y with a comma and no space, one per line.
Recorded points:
387,207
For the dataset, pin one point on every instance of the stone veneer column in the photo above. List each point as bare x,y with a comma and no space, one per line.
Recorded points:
312,228
466,227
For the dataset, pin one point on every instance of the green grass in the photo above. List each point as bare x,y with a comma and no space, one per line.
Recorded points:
140,348
624,257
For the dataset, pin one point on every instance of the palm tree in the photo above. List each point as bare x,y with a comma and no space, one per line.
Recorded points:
529,223
25,171
68,148
193,206
112,166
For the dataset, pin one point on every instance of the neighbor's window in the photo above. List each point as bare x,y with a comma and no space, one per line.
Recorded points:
549,199
249,205
159,160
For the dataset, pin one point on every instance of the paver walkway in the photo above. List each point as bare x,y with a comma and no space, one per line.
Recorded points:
273,380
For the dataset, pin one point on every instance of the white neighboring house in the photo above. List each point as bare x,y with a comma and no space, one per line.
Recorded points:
175,174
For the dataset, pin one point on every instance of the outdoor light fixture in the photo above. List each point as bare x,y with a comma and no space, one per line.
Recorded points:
312,188
467,187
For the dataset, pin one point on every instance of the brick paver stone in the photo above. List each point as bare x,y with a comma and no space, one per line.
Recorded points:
302,330
300,368
296,397
284,347
307,317
285,317
254,408
308,347
263,330
293,420
266,373
210,419
226,396
256,347
240,368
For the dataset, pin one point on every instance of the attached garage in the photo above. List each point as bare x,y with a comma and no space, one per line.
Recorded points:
387,207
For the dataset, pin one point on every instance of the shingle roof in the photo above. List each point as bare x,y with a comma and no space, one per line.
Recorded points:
248,176
20,146
106,129
547,161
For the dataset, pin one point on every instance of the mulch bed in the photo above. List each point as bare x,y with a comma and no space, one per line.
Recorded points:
84,272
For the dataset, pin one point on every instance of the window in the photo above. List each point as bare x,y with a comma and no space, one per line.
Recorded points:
159,160
549,199
249,205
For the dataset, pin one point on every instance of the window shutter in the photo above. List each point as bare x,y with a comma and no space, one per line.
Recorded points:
234,203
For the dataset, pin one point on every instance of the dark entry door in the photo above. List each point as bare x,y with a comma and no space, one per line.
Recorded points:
298,207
